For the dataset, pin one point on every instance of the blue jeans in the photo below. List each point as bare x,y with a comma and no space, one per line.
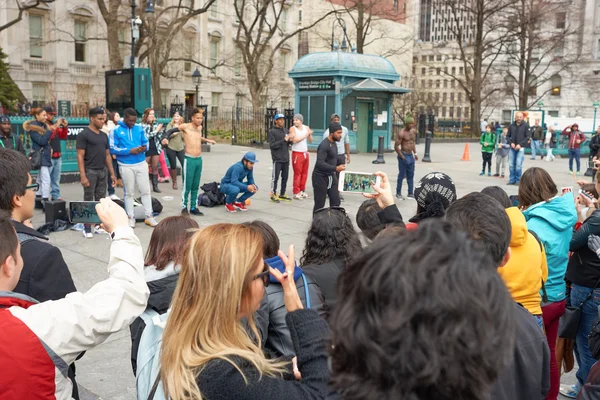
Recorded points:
232,191
406,168
515,164
535,145
574,154
55,178
589,314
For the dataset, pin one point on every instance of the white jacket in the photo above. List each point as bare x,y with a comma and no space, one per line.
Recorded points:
82,321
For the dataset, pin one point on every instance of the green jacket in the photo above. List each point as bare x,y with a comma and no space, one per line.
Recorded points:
490,139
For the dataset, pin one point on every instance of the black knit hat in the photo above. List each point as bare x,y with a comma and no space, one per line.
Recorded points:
434,193
334,127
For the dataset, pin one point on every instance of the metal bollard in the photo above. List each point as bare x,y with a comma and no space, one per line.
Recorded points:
428,139
379,159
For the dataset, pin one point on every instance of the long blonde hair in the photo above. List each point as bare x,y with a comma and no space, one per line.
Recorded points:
218,267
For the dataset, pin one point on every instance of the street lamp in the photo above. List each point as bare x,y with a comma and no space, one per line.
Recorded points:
196,77
136,22
540,104
596,105
345,40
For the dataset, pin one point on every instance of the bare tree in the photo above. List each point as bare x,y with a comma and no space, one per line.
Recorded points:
110,14
418,100
260,37
478,31
538,50
22,7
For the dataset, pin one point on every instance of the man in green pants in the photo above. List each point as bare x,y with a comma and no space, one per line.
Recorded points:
192,165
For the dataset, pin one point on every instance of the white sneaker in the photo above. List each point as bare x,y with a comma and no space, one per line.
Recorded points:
131,222
150,222
114,197
305,195
88,235
299,196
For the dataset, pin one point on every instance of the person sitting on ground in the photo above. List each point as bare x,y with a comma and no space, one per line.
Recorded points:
528,375
233,183
279,341
161,270
434,194
367,219
395,333
208,353
330,244
526,271
41,339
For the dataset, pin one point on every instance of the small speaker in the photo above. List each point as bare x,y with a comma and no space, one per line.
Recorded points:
39,205
55,210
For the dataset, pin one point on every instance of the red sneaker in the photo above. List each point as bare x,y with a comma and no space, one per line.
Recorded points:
229,208
240,206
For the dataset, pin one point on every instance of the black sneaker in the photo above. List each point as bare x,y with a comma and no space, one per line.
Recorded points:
195,211
184,212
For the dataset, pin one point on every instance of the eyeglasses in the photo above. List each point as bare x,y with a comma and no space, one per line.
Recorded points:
265,275
342,209
34,186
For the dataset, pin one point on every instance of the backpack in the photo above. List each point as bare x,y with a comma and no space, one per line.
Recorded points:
544,295
147,377
212,196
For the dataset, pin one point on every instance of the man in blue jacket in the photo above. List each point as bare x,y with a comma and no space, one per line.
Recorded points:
129,143
233,183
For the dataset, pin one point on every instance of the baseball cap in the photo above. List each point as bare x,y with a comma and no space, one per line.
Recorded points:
4,119
278,116
48,109
250,156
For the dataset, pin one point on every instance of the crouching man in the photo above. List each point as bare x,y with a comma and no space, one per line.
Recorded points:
233,183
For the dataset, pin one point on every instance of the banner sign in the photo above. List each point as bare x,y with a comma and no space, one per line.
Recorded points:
317,84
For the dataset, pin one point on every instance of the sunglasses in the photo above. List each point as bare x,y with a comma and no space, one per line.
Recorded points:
34,186
342,209
265,275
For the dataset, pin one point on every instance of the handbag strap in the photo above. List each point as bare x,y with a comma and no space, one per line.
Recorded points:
154,387
589,296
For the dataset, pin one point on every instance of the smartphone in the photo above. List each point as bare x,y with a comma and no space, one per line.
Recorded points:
357,182
566,189
586,195
83,212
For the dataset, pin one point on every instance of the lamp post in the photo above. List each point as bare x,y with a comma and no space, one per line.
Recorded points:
596,105
196,77
136,22
540,104
345,40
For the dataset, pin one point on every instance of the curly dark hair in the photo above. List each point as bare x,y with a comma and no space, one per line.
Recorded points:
331,237
423,315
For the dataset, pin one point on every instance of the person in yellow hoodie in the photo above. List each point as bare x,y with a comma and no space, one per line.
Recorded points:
527,268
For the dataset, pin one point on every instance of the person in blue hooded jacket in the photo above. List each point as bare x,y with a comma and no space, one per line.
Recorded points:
271,314
233,183
552,218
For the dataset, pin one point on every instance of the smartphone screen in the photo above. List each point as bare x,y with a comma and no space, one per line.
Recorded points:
357,182
83,212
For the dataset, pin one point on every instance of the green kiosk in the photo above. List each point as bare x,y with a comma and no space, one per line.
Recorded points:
358,87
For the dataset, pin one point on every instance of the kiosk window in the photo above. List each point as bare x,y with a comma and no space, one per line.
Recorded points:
330,110
317,112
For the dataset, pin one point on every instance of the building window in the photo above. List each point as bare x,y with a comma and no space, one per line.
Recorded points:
38,92
506,116
443,111
458,112
215,104
214,10
460,70
438,71
237,68
452,96
444,97
430,58
215,41
445,84
423,71
35,36
467,112
430,84
283,20
80,40
561,20
437,84
453,70
556,82
424,59
414,70
284,66
459,97
188,51
439,58
239,4
299,16
553,114
598,49
396,6
452,84
559,49
451,112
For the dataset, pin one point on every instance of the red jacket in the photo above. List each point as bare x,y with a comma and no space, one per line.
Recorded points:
58,134
573,137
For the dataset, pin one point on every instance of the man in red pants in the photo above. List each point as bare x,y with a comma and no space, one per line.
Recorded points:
301,135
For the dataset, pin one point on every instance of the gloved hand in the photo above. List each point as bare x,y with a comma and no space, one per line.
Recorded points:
594,244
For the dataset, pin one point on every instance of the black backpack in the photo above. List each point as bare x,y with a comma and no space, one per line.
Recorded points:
212,196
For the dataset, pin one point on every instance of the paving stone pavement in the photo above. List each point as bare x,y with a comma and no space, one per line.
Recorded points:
105,372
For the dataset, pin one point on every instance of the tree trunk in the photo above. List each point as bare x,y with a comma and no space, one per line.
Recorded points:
360,31
114,51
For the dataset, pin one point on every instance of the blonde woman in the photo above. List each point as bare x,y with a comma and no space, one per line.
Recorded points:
175,149
206,351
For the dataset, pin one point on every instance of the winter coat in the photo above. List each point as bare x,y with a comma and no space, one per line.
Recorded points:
553,223
279,341
41,339
45,275
219,379
161,293
526,269
490,139
518,134
325,276
527,377
584,264
40,140
279,146
595,145
536,133
123,139
574,136
152,133
504,148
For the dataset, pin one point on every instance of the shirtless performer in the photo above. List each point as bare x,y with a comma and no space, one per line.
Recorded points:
407,154
192,166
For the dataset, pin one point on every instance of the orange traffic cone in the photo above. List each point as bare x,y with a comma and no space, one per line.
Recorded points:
247,202
466,155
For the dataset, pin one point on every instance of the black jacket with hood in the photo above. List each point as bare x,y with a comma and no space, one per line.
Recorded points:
326,276
278,339
584,265
279,146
